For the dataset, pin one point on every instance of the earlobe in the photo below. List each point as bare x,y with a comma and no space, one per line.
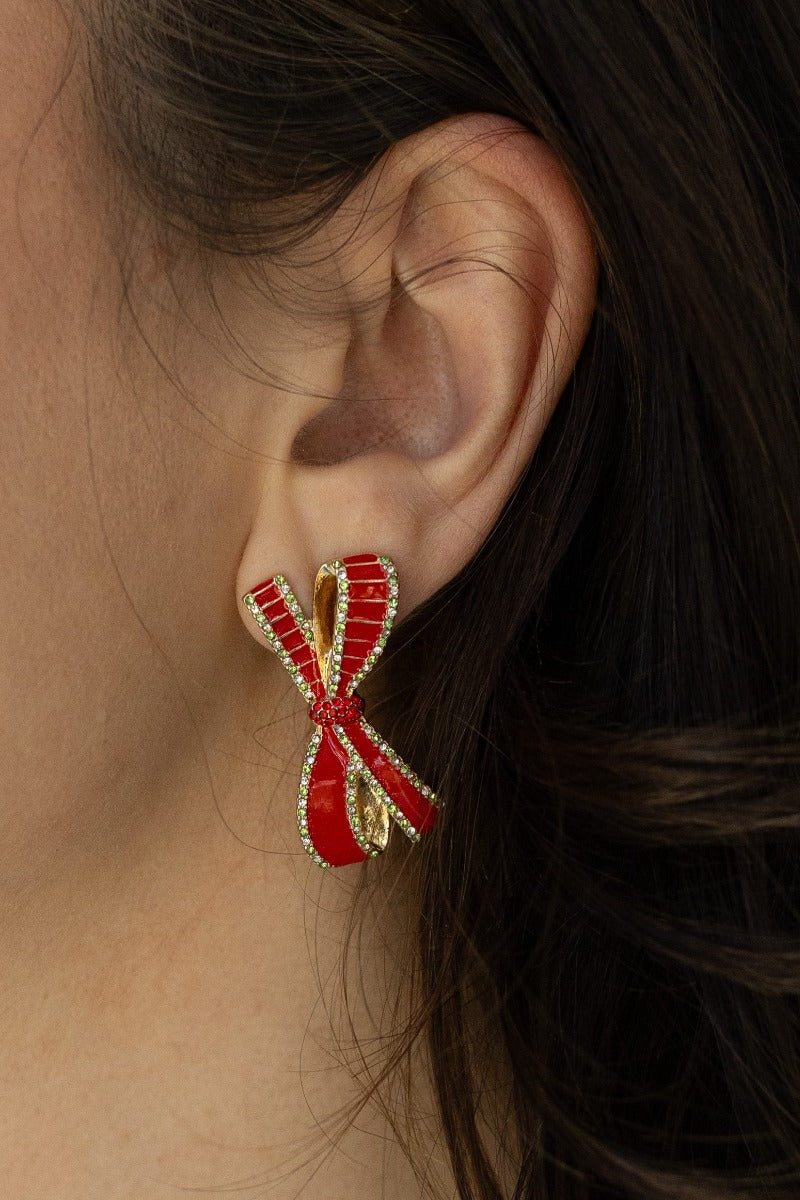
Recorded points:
469,272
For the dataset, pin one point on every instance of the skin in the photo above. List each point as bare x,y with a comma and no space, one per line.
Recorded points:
167,953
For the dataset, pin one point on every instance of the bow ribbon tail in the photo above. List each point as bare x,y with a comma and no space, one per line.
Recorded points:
410,802
327,812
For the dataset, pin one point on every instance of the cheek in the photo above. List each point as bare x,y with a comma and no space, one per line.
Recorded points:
70,649
48,232
101,496
125,500
46,525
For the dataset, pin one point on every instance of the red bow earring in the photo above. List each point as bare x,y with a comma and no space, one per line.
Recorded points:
352,783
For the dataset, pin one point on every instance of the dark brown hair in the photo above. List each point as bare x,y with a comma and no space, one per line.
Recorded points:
607,698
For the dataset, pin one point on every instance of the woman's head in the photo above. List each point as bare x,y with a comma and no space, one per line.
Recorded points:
509,292
380,378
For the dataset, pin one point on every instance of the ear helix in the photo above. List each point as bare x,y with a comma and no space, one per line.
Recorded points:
353,786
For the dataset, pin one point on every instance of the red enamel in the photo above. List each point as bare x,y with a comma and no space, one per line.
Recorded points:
412,804
362,631
294,640
264,592
328,826
355,559
361,592
351,663
367,613
368,570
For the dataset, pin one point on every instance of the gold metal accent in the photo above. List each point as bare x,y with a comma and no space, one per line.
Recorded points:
323,619
373,814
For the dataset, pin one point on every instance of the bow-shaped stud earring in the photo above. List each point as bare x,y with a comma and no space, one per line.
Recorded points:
352,783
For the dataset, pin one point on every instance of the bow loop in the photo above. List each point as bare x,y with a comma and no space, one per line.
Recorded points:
355,601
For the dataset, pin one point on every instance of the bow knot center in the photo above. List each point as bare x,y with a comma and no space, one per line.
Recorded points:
336,710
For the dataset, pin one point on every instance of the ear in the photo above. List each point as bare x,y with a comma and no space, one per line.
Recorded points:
456,287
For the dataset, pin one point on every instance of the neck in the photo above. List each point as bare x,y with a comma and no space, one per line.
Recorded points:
171,997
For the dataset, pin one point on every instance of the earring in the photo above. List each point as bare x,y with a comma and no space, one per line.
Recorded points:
352,784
